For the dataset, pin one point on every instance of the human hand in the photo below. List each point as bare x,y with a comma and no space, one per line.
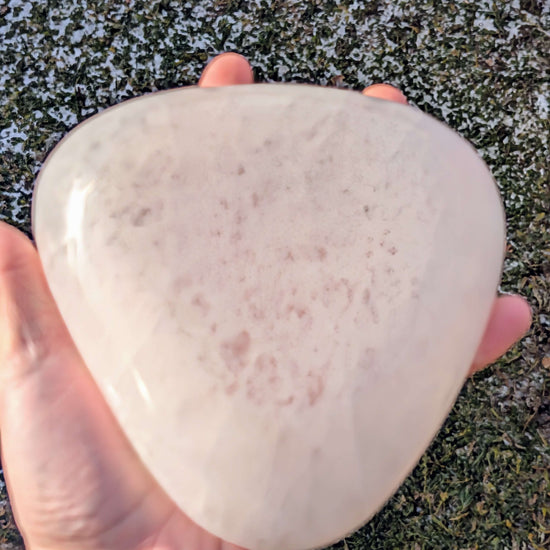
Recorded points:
74,480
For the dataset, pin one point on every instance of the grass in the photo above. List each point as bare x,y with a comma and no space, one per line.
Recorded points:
482,67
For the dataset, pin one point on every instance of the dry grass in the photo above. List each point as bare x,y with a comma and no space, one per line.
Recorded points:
482,67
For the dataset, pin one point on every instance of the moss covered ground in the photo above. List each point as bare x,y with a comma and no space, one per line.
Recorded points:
480,66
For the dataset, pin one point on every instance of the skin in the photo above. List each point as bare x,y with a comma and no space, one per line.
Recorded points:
73,479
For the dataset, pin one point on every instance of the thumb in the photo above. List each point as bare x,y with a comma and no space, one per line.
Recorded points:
29,321
73,478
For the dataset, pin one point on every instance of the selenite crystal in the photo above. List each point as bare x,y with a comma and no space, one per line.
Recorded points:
279,290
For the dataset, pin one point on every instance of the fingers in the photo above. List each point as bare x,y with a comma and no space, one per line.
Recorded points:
509,321
387,92
227,69
511,315
231,68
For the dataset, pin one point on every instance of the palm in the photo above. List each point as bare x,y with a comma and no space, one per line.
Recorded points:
93,494
73,478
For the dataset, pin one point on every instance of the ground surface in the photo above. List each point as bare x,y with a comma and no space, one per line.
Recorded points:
480,66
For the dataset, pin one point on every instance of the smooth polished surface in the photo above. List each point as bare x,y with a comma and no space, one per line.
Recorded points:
279,289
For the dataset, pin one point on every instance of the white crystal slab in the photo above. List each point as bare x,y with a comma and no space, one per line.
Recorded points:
278,288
